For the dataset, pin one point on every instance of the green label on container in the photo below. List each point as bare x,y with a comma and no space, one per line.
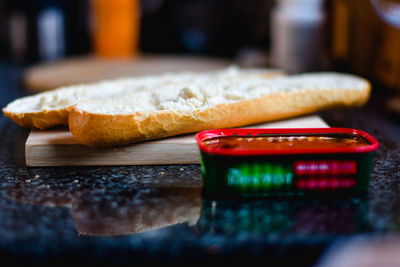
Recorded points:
260,176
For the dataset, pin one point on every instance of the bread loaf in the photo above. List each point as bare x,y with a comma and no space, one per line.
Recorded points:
52,108
189,106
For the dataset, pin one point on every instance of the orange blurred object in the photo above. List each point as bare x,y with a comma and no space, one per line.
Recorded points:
116,27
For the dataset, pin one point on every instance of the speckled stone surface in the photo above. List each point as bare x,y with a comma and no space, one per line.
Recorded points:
156,215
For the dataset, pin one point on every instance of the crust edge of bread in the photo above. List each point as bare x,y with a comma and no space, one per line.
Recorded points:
93,129
41,120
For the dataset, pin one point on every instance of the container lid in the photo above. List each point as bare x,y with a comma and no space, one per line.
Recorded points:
368,144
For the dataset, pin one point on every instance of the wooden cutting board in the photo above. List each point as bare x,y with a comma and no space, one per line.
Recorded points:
59,148
92,69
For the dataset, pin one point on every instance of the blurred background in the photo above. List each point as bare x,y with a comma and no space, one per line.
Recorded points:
358,36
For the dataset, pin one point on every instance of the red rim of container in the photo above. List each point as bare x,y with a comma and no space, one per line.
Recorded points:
200,137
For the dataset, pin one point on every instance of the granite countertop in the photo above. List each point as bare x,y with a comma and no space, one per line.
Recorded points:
156,214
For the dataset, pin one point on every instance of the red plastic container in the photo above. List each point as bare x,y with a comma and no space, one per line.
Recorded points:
260,162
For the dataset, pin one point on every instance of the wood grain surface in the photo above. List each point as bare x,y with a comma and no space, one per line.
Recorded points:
59,148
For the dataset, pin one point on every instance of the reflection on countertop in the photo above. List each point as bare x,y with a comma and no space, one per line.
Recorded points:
299,218
148,209
137,209
104,213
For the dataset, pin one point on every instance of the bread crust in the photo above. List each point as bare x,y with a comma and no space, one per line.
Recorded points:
41,120
94,129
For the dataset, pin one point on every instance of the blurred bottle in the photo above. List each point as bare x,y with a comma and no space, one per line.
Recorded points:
62,28
44,30
297,35
115,27
51,29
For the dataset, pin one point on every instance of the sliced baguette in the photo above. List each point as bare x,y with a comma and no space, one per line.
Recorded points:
189,107
52,108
